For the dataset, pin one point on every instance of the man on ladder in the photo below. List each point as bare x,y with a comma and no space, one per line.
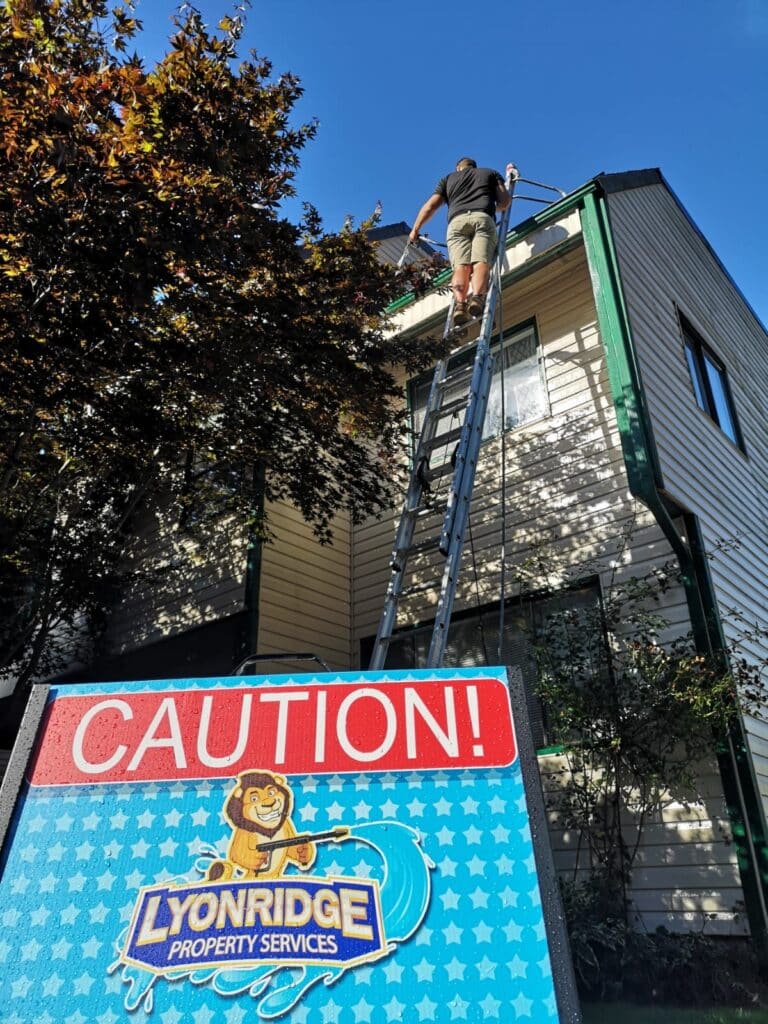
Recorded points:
473,195
473,384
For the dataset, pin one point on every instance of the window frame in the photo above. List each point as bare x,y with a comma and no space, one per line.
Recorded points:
465,357
698,353
532,604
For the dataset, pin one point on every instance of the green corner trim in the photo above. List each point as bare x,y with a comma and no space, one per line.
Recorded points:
645,478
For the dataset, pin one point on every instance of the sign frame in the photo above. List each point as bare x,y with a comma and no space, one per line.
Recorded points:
563,978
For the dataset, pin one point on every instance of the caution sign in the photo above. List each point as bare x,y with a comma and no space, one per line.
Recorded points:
347,848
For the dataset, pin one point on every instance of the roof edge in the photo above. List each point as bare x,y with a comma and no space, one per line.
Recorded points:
608,184
525,227
623,181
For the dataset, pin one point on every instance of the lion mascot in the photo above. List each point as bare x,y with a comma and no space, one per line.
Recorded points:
259,811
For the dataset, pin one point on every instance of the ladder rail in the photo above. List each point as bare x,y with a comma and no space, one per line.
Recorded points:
453,559
406,526
457,509
475,391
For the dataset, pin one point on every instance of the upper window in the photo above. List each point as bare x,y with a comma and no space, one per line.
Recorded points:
518,391
710,383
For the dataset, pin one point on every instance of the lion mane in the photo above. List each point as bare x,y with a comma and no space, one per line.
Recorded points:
233,808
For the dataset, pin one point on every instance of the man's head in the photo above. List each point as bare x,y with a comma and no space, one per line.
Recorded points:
465,162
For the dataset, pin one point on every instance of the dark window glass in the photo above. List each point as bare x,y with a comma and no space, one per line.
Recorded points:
524,396
718,386
693,367
473,641
710,383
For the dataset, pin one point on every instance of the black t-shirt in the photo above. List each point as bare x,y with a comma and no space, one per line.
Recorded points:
474,188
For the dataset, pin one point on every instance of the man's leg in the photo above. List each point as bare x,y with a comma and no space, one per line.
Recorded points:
480,275
459,238
483,251
460,281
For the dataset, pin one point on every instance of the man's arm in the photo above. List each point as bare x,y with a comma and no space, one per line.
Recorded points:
429,208
503,198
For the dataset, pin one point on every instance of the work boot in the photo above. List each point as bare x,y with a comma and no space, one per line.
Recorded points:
476,305
460,314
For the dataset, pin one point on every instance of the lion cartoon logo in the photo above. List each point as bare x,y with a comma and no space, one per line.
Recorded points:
259,811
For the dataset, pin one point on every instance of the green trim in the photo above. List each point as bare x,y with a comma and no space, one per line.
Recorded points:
520,231
740,783
557,748
645,479
530,266
249,641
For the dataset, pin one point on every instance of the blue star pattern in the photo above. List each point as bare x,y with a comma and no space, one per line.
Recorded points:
78,857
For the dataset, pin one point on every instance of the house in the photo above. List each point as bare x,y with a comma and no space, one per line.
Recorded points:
626,428
633,372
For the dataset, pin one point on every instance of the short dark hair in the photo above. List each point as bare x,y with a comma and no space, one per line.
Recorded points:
465,161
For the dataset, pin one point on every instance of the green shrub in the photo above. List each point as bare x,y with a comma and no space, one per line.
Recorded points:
613,961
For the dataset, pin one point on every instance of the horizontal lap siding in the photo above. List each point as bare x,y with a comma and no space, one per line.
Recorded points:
567,487
185,583
664,261
304,596
685,876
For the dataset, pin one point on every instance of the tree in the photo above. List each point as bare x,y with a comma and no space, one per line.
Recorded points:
164,327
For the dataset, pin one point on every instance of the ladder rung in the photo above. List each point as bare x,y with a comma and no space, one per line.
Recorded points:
453,406
464,373
401,555
441,439
420,588
419,511
468,346
444,469
424,544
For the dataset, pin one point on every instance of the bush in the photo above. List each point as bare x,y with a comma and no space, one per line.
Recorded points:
612,961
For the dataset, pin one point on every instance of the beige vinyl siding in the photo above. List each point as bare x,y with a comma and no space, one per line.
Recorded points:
686,877
304,603
566,489
185,582
664,262
566,485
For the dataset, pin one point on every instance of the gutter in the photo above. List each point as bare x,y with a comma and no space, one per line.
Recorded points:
520,231
646,482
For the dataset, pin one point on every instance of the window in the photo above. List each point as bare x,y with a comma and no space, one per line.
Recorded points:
710,383
473,641
524,396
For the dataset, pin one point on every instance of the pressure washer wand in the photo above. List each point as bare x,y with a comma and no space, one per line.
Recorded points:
339,832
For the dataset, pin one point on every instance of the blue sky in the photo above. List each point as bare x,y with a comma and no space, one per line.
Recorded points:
564,88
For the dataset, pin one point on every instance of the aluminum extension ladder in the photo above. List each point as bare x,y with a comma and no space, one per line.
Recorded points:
469,435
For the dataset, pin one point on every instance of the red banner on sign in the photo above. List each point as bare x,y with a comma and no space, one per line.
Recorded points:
369,725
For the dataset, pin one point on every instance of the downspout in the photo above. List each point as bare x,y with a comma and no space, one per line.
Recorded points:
249,634
644,477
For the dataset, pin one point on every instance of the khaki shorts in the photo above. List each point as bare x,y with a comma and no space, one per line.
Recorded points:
471,238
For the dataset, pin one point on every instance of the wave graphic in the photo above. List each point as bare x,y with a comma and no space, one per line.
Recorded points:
402,869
